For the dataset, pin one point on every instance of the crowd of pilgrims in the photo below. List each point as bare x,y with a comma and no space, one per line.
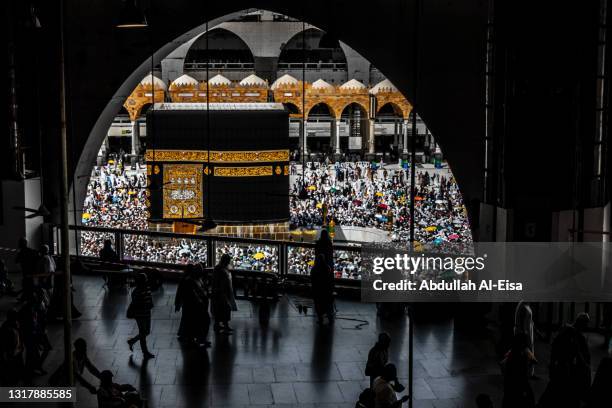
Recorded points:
347,264
352,194
365,195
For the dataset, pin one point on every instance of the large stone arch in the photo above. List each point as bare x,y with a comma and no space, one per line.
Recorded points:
403,113
217,31
450,94
309,106
313,35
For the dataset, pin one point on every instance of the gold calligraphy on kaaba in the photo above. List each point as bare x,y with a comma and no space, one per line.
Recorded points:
243,171
199,156
182,191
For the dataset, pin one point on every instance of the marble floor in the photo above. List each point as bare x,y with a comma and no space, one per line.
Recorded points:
279,357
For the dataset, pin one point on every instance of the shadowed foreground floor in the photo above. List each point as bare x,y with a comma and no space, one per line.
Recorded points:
279,358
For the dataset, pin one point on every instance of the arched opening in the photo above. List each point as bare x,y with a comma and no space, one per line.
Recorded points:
294,126
292,108
225,53
390,139
315,52
319,129
354,117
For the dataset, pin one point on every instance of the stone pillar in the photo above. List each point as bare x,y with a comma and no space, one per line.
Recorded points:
371,131
405,125
135,137
337,135
396,141
303,139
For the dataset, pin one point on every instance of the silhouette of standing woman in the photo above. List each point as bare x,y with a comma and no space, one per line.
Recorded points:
140,309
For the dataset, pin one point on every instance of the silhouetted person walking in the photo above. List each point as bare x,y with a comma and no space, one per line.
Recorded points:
141,305
516,364
223,300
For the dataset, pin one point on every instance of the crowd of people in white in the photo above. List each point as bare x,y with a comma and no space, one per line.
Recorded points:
366,195
350,194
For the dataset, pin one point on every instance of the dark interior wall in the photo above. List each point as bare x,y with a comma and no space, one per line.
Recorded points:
544,110
102,62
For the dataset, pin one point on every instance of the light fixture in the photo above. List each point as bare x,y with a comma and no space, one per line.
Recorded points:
131,16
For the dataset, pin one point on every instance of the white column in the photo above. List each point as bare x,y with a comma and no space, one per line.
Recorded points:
396,141
371,131
405,132
337,135
303,134
135,137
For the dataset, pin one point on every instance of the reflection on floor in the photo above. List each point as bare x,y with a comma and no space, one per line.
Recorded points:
279,358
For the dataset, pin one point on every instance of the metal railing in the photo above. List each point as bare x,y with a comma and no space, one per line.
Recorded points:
191,66
288,259
312,65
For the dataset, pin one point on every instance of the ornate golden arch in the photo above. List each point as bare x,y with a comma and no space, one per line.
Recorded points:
396,99
311,104
365,108
140,96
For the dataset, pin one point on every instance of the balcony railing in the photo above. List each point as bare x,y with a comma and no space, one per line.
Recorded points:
238,66
287,259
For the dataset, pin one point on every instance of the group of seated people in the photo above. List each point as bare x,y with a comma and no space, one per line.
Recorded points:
108,393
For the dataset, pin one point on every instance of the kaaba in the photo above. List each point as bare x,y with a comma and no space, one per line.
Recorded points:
226,161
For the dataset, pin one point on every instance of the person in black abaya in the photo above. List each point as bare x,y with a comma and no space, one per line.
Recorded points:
324,246
223,300
192,298
322,286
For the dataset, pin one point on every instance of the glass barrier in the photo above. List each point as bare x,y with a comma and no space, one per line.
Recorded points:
91,242
299,260
254,257
347,264
163,249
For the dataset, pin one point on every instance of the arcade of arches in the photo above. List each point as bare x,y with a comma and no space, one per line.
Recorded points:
351,103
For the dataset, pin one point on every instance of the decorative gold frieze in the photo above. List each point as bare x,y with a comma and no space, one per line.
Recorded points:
243,171
262,156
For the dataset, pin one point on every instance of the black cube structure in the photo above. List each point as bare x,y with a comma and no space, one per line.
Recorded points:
228,161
